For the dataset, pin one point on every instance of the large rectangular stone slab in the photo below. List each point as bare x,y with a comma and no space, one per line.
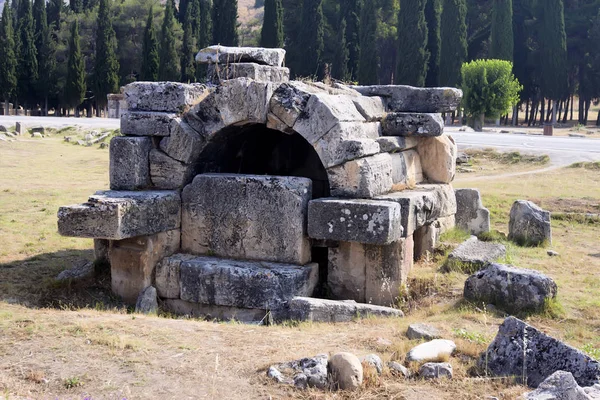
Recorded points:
247,217
210,312
228,55
412,124
167,274
321,310
143,123
362,178
349,220
257,72
400,98
407,171
172,97
118,215
393,144
128,165
244,284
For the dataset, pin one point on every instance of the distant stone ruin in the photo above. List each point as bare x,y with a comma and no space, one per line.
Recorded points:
251,192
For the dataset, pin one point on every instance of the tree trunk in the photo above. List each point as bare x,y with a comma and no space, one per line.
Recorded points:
554,108
542,111
478,123
598,119
572,106
581,112
549,110
588,103
526,112
566,113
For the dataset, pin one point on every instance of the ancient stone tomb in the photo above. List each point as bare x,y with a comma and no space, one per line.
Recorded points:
236,196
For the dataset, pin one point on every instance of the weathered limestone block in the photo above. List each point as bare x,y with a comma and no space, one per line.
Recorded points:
144,123
512,289
132,261
349,220
322,113
370,273
260,73
128,166
371,108
167,275
275,123
431,351
520,350
348,141
422,331
147,302
346,371
412,124
473,255
412,99
172,97
529,224
184,144
168,173
244,284
229,55
438,158
560,385
407,171
205,117
362,178
471,216
243,100
119,215
320,310
288,102
210,312
435,371
247,217
393,144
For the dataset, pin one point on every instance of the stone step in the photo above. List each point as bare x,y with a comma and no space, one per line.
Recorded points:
117,215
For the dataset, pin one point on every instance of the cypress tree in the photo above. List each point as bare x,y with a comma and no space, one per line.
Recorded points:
194,7
369,59
54,11
8,59
45,52
169,61
182,12
76,6
454,41
433,13
340,65
291,28
224,20
150,60
27,64
553,52
312,33
272,30
350,11
501,39
75,86
188,65
205,28
412,43
106,70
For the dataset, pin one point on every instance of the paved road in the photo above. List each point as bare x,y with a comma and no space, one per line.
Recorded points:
562,150
55,122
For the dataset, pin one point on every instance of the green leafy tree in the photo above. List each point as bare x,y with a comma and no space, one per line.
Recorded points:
454,41
342,55
8,59
150,60
27,64
433,14
224,22
369,60
312,38
188,64
75,84
502,40
271,35
106,71
412,43
350,11
169,61
490,89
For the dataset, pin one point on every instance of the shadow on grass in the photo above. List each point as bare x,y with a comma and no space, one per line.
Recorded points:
31,282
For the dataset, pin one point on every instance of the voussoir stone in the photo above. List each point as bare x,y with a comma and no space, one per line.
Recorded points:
392,144
172,97
260,73
371,108
129,163
146,123
348,141
422,331
346,371
473,254
364,177
401,98
321,310
529,224
350,220
244,101
412,124
184,144
520,350
229,55
513,289
471,216
288,102
117,215
431,351
438,158
168,173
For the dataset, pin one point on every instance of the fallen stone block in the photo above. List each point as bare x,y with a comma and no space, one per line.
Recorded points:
406,170
245,284
117,215
393,144
473,255
512,289
363,221
147,302
167,173
412,124
143,123
184,144
422,331
433,350
320,310
348,141
438,158
559,385
435,371
20,128
38,129
230,55
129,165
346,371
362,178
400,98
171,97
257,72
529,224
521,351
471,216
247,217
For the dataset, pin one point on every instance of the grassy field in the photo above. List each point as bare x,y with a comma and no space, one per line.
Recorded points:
76,341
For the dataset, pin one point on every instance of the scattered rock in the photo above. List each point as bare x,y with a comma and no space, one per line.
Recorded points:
147,302
553,253
274,374
303,373
39,129
510,288
560,385
398,369
384,342
20,128
68,139
466,129
3,138
36,135
504,131
81,270
435,371
462,158
434,350
471,215
544,356
375,361
473,254
576,135
529,224
346,371
3,128
88,137
422,331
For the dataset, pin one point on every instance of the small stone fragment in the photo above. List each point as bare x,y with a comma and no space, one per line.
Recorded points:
346,371
81,270
471,216
274,374
422,331
553,253
434,350
375,361
435,371
398,369
147,302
